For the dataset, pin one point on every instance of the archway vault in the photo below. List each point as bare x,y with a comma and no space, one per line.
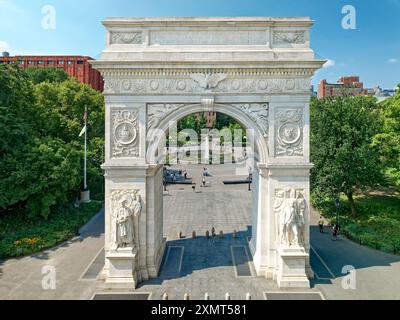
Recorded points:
252,116
254,69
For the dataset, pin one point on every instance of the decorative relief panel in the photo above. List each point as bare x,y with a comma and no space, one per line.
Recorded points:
259,113
126,38
289,208
157,112
125,128
125,207
289,37
289,123
206,83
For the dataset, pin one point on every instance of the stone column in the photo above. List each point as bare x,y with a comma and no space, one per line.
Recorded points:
131,185
288,192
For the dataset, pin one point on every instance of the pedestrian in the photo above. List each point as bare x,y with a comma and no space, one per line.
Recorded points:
321,225
194,188
204,182
335,232
185,175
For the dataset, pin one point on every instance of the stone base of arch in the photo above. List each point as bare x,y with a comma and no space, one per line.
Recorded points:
143,261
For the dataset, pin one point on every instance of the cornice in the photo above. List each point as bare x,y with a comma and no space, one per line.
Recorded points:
206,22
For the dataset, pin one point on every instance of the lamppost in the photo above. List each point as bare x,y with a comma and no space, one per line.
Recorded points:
250,177
337,204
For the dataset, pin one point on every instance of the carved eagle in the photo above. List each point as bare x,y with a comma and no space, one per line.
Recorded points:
208,80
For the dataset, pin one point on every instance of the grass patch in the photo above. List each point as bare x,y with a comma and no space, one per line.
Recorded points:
20,236
377,224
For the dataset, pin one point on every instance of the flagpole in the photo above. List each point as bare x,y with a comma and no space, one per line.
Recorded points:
85,194
85,161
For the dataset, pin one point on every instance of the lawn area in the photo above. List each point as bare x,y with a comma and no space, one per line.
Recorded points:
20,236
377,224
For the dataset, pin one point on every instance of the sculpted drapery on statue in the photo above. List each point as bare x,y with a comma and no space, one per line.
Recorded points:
290,208
126,207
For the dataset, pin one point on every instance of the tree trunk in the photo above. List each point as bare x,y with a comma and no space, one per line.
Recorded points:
352,204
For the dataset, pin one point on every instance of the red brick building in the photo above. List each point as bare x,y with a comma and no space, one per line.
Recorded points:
210,117
345,85
75,66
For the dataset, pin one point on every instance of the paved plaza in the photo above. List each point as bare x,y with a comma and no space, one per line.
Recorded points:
200,265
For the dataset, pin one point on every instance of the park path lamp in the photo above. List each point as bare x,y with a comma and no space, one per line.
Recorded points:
85,193
245,146
250,177
337,205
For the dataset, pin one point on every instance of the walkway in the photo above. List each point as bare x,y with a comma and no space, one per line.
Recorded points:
200,265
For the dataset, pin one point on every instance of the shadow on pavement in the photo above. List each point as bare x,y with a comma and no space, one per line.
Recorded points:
200,253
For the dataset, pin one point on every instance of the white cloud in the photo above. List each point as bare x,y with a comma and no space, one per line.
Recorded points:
4,46
329,63
393,60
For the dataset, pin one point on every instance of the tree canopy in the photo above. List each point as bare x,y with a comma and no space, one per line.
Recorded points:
39,75
40,152
388,140
342,131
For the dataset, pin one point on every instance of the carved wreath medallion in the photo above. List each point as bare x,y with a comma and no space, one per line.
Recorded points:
289,132
125,133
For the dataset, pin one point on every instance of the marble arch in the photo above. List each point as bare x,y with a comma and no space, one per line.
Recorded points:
157,69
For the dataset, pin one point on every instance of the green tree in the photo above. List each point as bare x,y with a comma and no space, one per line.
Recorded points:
341,137
40,151
39,75
388,140
223,121
17,110
62,106
189,122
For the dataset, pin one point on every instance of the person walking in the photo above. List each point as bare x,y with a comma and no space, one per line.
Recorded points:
335,232
321,225
204,182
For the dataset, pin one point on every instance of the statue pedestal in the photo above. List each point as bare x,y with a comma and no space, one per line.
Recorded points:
123,267
292,268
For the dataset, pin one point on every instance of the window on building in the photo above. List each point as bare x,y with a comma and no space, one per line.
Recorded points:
50,62
40,62
79,62
60,62
70,62
31,62
21,62
1,61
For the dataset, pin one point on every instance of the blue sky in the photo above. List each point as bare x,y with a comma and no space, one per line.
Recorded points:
371,51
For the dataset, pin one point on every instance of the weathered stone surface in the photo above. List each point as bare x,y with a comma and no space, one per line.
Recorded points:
257,70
